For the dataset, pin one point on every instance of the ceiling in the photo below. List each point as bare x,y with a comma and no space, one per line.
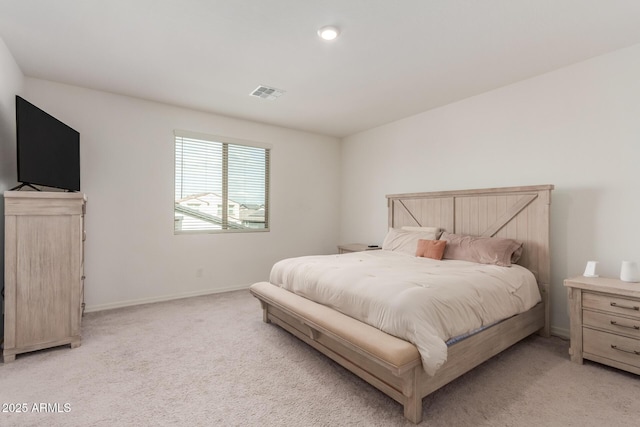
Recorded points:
393,59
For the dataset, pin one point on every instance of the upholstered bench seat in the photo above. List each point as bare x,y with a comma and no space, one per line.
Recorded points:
393,353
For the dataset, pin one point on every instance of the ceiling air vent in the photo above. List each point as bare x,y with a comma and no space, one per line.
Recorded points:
266,92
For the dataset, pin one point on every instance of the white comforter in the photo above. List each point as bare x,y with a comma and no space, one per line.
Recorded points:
423,301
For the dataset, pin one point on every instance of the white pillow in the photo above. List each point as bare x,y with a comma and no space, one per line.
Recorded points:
405,241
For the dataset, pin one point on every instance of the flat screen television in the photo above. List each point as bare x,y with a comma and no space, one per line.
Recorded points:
48,150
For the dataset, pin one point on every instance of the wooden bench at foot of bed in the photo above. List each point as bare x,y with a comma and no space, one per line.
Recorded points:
388,363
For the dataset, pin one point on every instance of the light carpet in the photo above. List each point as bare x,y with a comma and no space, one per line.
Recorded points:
211,361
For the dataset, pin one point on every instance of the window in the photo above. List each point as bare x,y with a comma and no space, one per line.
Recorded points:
221,184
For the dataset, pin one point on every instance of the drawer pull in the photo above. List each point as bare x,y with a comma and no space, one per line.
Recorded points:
615,347
636,327
628,307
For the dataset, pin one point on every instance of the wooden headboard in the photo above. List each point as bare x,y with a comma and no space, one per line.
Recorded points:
520,213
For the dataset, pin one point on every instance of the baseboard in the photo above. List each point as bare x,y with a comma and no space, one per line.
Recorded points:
129,303
560,332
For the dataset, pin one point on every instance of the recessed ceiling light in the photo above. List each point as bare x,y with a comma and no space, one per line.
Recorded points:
328,33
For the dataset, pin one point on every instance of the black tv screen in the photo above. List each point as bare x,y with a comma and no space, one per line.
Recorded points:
48,150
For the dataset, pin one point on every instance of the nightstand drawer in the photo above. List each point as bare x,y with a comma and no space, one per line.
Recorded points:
610,322
613,304
611,346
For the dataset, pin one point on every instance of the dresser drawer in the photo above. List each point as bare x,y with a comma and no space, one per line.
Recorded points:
611,346
611,322
613,304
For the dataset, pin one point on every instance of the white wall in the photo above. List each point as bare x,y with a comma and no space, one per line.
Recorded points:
577,128
11,84
127,173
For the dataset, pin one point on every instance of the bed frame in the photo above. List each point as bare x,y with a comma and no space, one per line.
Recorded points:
393,365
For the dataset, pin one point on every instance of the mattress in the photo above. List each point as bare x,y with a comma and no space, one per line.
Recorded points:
420,300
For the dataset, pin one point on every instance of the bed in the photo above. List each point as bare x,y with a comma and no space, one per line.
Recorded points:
397,366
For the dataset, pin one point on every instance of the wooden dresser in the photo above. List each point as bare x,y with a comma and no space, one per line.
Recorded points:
605,321
44,245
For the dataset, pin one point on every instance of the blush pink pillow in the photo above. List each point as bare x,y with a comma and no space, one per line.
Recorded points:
483,250
433,249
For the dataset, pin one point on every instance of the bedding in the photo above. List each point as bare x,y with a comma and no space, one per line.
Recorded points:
420,300
485,250
431,248
406,241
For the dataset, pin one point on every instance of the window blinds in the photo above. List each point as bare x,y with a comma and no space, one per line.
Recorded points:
221,184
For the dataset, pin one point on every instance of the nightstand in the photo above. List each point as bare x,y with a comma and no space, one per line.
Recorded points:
605,321
356,247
